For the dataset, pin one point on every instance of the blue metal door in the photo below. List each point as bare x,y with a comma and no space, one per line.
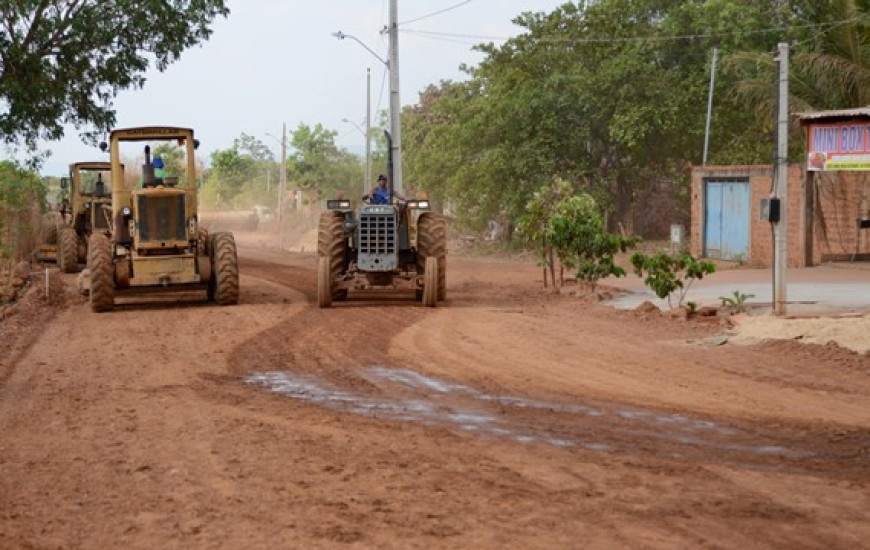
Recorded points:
726,220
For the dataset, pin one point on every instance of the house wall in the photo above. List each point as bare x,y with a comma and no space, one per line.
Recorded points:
822,213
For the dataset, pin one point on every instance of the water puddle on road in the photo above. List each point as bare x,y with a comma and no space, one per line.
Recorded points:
408,396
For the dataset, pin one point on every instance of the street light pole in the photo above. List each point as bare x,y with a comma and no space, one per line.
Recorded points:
283,185
395,105
368,178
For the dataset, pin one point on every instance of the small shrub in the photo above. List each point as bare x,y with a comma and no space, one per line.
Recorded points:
737,301
667,274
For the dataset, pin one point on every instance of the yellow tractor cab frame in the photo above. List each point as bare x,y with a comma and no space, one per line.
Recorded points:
85,211
94,204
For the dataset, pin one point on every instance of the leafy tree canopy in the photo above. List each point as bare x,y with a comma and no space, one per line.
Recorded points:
64,61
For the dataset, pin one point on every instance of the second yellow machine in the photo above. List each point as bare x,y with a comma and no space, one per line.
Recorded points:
156,244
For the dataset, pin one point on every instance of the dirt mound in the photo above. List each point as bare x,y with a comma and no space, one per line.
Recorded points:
848,332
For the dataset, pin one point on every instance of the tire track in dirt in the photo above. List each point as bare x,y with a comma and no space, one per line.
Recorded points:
328,356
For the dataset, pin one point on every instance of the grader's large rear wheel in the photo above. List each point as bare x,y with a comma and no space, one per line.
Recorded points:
67,248
224,285
332,245
432,243
430,282
102,273
324,283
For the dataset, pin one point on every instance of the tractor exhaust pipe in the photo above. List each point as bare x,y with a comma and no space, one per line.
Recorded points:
389,160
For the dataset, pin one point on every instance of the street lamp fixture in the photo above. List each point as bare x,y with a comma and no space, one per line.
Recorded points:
395,105
355,125
341,36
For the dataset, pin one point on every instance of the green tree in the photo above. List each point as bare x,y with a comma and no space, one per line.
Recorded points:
254,148
317,163
229,173
534,224
577,232
605,94
22,196
64,62
829,67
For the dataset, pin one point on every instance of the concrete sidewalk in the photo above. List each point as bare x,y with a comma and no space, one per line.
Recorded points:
834,288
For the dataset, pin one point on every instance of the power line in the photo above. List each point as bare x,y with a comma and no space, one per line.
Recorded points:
455,36
433,14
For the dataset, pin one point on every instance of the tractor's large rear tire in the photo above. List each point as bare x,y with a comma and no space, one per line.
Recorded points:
332,245
102,273
67,249
432,243
324,283
224,285
430,282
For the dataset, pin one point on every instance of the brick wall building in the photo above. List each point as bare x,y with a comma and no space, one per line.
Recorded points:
823,215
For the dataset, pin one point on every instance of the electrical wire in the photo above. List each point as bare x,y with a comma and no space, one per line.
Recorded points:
614,40
433,14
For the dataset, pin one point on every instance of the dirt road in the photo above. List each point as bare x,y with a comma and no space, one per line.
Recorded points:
508,418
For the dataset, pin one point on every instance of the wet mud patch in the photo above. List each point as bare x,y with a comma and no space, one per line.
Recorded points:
404,395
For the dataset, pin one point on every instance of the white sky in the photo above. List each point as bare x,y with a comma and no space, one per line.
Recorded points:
276,61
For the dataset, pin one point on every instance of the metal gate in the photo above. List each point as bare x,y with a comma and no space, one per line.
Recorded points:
726,220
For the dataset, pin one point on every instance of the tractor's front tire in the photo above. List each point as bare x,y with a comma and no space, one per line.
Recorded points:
67,249
332,245
324,283
432,243
224,285
430,282
102,273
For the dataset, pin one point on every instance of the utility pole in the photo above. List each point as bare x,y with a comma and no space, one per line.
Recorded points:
709,106
395,106
781,192
368,177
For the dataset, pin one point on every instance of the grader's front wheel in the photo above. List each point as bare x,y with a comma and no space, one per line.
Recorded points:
430,282
67,249
324,283
102,273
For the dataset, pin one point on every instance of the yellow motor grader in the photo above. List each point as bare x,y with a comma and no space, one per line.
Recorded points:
87,209
156,244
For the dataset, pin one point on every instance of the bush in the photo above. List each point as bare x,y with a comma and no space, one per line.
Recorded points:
667,274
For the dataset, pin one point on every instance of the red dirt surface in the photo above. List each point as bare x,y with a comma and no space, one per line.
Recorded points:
506,417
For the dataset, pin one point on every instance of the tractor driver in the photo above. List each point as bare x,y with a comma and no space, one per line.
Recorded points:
381,193
159,172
